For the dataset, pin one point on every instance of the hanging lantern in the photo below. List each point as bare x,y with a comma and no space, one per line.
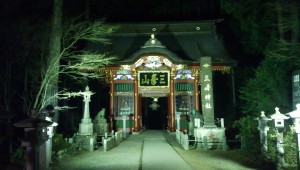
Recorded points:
154,105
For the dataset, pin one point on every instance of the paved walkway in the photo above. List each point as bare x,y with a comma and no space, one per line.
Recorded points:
159,154
149,150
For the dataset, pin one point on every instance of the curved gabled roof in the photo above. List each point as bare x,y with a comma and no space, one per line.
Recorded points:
184,42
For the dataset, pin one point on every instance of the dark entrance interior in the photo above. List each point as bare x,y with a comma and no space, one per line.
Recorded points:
155,119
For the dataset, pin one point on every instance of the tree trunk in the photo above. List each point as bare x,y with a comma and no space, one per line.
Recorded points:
295,21
280,20
54,54
25,100
8,93
87,10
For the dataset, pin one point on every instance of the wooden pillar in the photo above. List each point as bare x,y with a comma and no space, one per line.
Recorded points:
196,94
111,106
140,112
171,112
136,126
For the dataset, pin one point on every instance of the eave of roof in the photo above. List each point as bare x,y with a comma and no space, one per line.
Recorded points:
184,42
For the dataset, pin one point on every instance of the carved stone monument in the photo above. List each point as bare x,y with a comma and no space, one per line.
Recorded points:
210,136
100,123
207,92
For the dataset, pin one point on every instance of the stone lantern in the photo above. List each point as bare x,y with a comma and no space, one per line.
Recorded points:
263,129
296,116
279,125
35,136
278,119
85,137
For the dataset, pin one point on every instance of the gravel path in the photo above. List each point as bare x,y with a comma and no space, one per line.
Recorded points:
150,150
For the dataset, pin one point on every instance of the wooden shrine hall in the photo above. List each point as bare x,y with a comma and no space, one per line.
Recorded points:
160,61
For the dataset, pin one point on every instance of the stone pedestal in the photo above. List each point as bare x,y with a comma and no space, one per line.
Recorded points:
85,127
85,142
211,138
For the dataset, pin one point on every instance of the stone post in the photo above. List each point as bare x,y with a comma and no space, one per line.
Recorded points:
178,121
191,124
49,141
35,132
124,126
222,123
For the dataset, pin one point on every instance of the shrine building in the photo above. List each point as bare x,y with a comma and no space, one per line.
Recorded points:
159,72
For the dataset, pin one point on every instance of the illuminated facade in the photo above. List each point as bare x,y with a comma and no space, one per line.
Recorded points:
165,65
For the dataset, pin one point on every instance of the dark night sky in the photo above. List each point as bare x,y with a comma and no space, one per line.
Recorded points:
116,10
14,12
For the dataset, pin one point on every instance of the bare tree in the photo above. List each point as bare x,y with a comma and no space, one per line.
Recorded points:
78,60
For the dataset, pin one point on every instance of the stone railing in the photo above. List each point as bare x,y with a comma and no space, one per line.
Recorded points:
183,139
118,136
112,141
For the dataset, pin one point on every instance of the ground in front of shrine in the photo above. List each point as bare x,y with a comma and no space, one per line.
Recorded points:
155,150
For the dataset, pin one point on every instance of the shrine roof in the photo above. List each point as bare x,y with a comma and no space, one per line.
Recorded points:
181,42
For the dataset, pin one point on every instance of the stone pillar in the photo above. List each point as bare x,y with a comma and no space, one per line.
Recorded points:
111,113
86,125
49,141
178,121
124,126
207,96
35,136
196,94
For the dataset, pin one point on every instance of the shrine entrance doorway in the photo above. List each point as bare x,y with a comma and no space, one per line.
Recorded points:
154,113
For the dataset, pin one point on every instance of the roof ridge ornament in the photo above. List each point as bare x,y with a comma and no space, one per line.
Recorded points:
153,42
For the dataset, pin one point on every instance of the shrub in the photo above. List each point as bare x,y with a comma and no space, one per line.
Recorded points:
249,134
58,143
289,145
